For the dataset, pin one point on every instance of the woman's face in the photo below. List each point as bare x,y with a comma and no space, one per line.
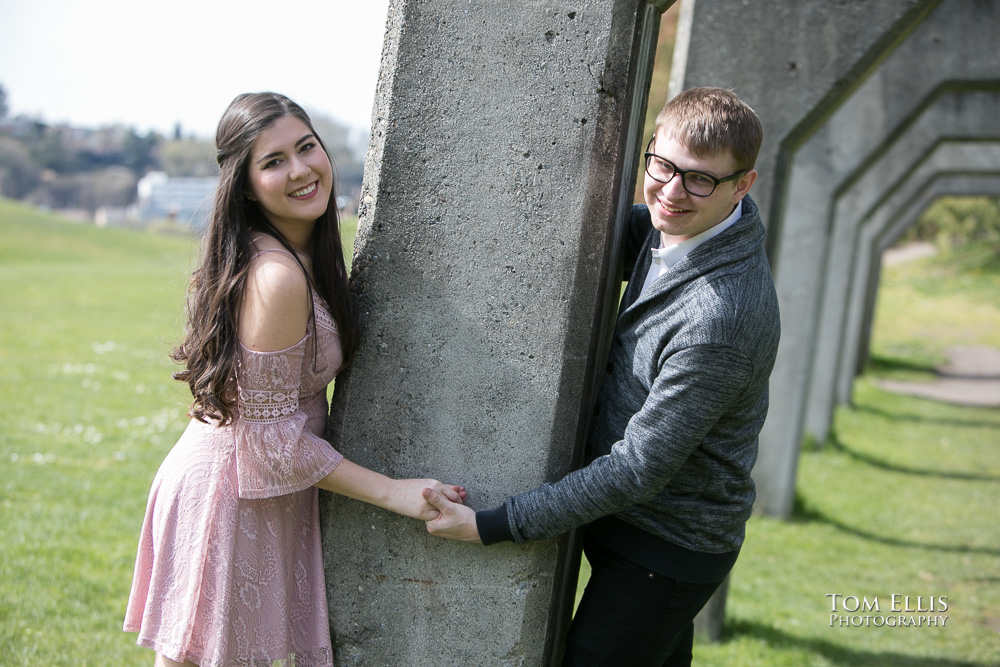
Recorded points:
289,174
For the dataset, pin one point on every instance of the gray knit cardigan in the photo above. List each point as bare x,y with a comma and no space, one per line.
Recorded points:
675,432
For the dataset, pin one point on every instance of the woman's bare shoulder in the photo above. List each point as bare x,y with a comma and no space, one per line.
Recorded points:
276,305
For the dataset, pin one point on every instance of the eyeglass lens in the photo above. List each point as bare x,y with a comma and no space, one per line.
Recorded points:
701,185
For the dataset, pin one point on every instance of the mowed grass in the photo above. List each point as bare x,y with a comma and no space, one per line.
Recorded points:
903,500
88,412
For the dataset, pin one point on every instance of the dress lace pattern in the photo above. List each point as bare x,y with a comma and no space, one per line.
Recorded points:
267,407
276,453
229,568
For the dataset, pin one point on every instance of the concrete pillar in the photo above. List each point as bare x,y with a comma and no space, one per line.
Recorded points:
504,143
962,169
888,177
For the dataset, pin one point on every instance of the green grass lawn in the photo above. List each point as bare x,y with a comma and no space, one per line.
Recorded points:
88,410
904,500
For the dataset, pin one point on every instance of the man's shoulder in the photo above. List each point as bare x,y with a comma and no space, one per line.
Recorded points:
640,223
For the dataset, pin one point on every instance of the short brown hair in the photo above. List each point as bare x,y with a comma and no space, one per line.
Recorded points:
709,121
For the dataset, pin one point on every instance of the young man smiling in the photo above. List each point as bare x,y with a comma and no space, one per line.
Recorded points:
666,491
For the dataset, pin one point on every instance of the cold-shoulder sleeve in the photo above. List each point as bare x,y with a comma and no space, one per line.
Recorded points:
275,453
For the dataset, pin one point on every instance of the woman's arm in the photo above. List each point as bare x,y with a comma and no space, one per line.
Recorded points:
274,317
402,496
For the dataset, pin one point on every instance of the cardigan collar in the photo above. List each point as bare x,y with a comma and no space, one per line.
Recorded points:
743,238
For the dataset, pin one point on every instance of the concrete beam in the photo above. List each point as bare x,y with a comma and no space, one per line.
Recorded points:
950,115
890,223
948,46
793,61
504,144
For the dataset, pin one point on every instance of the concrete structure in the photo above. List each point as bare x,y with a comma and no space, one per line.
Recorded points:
504,146
859,234
503,150
965,183
843,90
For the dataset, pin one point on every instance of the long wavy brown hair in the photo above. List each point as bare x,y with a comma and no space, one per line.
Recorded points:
210,348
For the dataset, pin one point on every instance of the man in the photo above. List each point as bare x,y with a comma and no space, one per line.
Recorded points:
667,490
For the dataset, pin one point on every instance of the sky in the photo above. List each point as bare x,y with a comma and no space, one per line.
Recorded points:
152,64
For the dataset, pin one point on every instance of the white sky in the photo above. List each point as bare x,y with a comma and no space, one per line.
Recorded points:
154,63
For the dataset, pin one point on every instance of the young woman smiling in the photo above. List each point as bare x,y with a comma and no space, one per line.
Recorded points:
229,568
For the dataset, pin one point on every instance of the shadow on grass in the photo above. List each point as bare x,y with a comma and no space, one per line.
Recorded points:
883,365
838,654
895,415
805,513
837,444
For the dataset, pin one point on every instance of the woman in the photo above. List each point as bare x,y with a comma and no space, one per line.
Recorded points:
229,569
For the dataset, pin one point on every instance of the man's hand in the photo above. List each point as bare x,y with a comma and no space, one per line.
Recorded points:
456,522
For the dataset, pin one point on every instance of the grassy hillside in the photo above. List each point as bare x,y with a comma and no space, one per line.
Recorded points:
902,502
88,411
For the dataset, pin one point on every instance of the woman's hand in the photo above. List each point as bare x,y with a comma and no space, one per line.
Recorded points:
406,497
455,521
402,496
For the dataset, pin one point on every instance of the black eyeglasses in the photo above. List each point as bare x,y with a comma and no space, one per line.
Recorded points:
696,183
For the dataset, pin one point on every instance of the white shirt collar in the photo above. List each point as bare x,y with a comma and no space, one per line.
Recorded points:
670,255
666,258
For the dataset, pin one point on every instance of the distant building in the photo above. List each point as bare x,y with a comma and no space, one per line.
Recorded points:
187,201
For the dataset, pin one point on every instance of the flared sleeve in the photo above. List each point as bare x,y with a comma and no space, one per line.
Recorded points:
276,453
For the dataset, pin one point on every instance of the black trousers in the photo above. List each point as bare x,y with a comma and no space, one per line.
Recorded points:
632,617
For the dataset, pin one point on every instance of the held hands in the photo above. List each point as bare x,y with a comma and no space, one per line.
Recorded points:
440,506
409,501
454,520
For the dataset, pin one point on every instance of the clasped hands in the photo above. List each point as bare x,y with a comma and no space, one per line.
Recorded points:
454,521
441,506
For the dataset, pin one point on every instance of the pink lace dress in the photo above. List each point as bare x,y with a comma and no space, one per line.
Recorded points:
229,568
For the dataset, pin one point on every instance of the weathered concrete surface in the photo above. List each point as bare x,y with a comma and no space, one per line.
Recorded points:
834,84
502,146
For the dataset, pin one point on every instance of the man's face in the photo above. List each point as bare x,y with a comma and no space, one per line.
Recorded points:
676,213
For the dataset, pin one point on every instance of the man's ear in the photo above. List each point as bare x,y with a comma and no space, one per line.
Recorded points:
744,184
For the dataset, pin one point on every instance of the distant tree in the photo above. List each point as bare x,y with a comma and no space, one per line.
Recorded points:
187,157
951,222
138,153
4,109
50,151
18,171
